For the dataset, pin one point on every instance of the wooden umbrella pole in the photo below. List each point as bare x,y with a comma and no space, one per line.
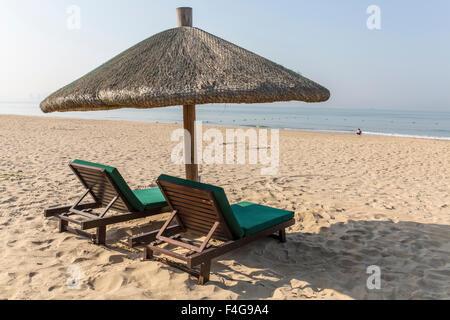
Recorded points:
184,15
185,20
189,126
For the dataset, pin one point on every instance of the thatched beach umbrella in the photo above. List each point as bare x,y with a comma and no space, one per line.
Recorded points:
183,66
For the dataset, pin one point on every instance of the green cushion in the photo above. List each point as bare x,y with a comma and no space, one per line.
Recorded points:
151,198
120,183
221,199
255,217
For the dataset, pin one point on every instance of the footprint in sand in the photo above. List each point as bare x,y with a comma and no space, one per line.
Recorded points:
79,260
9,200
50,289
109,283
47,247
108,258
10,243
115,259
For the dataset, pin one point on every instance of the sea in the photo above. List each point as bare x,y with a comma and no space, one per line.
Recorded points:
428,124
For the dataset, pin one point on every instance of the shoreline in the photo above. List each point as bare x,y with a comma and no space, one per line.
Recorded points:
208,124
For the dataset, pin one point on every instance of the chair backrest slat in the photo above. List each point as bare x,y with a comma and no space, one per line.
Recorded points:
101,185
196,208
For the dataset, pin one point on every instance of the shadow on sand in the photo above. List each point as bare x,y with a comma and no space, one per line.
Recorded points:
413,258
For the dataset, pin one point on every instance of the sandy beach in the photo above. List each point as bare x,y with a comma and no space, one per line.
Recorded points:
358,202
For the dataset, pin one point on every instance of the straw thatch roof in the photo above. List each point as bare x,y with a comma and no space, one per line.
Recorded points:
183,66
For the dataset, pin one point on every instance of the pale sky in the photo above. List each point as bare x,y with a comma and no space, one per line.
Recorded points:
405,65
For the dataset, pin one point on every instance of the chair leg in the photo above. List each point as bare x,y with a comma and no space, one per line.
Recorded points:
282,235
100,238
148,254
63,225
205,268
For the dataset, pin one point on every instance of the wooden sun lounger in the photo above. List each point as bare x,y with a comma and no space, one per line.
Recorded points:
107,194
204,210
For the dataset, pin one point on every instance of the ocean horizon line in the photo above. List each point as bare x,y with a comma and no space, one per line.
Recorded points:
209,123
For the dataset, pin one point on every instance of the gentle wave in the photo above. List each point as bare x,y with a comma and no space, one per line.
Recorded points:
369,133
399,135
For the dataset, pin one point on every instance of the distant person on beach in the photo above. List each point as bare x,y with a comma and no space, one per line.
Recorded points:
359,132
